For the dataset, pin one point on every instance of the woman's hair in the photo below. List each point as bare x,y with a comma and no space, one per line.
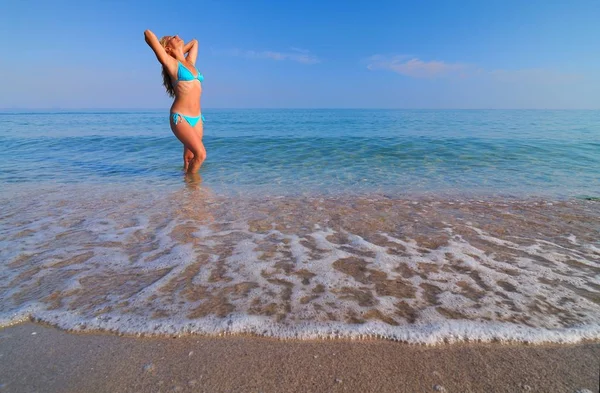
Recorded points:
165,74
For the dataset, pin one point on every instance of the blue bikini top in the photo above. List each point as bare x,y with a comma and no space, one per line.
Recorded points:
183,74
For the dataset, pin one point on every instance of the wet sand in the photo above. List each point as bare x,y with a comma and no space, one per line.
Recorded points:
36,358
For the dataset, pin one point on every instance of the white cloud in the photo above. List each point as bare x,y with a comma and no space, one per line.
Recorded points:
295,54
414,67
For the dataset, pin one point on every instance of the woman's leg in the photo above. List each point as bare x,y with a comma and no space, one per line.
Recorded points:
187,157
199,129
192,140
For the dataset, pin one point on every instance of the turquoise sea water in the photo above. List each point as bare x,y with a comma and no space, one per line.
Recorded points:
421,226
521,152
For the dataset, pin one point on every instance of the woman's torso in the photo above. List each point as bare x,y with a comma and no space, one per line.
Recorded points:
187,92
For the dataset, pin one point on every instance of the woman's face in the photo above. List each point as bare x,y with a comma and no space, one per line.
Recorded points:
173,43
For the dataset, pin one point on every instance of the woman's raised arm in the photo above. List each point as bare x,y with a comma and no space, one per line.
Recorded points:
191,48
163,57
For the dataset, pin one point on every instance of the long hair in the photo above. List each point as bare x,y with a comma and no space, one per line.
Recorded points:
167,83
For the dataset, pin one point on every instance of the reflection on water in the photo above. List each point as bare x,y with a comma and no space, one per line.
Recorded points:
193,180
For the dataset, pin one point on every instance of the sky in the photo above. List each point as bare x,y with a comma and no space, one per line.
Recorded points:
306,54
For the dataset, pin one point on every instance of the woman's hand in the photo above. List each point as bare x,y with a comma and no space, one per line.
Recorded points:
148,34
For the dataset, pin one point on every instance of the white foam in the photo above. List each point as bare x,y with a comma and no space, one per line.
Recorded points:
130,240
428,334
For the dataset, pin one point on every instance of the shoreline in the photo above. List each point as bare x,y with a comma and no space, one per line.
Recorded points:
449,332
35,357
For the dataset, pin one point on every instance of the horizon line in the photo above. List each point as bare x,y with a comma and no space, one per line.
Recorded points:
48,109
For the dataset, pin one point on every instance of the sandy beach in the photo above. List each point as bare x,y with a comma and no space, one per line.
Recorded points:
36,358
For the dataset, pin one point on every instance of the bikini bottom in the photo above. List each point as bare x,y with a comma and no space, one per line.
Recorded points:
190,119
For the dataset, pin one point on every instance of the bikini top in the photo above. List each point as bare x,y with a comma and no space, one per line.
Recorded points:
183,74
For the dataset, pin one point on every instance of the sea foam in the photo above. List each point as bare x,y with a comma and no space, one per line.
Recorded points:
416,270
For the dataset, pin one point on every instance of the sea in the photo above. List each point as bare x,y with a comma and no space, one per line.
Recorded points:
420,226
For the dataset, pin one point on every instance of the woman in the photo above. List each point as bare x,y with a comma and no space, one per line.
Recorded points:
183,82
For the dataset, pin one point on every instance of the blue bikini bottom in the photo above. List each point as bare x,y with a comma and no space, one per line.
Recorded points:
190,119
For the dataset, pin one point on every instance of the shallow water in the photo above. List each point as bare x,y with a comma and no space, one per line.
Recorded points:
427,250
516,152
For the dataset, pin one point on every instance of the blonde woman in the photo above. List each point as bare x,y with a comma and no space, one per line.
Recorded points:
184,83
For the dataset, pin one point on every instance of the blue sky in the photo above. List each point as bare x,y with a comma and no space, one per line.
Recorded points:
307,54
